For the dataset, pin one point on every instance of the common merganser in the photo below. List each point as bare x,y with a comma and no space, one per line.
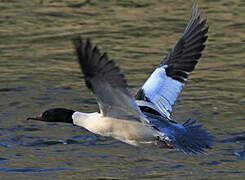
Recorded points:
145,118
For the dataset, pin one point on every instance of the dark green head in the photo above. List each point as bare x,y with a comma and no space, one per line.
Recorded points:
55,115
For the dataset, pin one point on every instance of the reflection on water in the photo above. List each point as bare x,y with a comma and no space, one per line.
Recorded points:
39,71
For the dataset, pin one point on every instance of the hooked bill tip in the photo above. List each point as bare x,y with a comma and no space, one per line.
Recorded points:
39,118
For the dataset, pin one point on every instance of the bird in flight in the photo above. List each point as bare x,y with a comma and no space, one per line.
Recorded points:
144,118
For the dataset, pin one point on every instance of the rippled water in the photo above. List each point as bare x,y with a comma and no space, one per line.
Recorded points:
39,71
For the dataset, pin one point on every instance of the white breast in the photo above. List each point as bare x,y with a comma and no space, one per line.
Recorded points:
124,130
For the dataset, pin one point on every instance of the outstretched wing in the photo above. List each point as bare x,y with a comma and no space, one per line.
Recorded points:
104,79
166,82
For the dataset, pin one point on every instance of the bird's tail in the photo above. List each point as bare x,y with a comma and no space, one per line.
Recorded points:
189,137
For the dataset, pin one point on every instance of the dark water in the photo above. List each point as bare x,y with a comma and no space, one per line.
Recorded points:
39,71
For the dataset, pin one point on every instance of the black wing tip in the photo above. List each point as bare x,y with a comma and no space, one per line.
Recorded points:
197,25
81,50
78,41
181,61
95,64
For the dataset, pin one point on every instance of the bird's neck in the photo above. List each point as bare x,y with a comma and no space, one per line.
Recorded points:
94,122
83,119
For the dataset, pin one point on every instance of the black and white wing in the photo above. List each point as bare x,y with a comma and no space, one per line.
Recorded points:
104,79
166,82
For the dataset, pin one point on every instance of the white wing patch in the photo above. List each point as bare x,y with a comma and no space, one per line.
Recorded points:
162,90
166,82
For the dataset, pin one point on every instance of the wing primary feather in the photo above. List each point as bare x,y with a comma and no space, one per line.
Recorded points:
164,85
106,82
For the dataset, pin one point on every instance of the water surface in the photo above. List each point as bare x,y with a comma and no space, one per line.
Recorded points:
39,71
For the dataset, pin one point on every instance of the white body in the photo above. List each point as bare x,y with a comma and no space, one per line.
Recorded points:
130,132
